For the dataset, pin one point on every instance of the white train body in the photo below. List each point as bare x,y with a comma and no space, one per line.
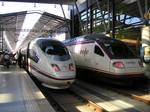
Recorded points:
51,63
107,56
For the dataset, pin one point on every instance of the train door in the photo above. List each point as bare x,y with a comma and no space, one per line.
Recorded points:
100,60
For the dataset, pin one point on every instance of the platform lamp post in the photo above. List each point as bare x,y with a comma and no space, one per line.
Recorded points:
1,37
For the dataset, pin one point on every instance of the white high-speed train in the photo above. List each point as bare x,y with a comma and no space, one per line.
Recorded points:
50,62
106,56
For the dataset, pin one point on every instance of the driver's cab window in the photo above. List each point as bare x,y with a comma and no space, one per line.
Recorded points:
98,51
49,50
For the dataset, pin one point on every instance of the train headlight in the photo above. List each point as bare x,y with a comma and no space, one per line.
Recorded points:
71,67
55,67
119,65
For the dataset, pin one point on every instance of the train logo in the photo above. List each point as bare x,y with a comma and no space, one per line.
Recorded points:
84,51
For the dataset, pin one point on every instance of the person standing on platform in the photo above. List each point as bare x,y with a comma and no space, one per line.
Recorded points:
19,60
6,60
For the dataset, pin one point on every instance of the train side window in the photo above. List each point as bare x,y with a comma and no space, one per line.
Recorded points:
98,51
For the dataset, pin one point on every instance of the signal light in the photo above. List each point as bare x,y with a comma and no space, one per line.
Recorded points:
119,65
55,67
71,67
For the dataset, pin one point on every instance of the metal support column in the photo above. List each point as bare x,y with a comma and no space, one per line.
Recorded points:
98,4
82,28
113,18
146,11
91,20
65,19
87,17
108,8
72,22
1,38
146,6
140,8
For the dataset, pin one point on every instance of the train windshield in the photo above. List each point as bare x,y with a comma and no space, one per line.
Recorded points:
119,50
55,50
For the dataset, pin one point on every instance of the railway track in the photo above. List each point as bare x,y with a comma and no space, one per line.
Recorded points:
86,97
115,97
71,102
139,92
68,101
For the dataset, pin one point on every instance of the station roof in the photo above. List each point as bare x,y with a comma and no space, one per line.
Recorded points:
133,8
12,26
49,22
43,1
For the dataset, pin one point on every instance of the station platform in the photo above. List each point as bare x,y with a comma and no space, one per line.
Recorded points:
18,93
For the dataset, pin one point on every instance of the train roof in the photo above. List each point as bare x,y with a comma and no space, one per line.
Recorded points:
47,41
41,40
91,38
